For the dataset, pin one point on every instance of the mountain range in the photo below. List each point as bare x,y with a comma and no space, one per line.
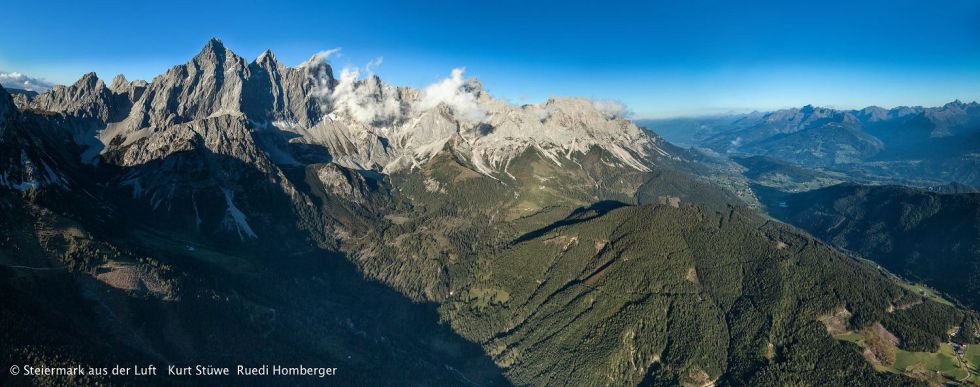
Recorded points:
246,211
906,145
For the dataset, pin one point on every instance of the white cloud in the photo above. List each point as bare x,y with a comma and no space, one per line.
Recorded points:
15,80
373,64
321,57
319,72
453,93
611,108
362,95
366,100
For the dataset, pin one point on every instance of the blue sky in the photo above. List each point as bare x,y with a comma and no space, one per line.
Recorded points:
662,58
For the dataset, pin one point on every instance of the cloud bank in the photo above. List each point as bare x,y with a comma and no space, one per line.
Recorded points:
366,100
453,93
612,108
362,95
321,57
15,80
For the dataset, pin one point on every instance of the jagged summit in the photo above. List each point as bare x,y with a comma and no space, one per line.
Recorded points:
118,83
213,45
215,54
265,56
89,81
362,121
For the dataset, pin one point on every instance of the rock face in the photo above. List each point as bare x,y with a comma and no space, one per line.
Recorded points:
128,92
342,182
362,123
217,82
87,98
228,146
24,162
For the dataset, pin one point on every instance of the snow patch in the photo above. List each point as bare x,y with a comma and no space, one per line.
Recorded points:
31,176
234,218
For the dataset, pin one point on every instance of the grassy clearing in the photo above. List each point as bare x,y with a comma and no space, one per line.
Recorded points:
851,337
926,291
943,361
973,356
918,288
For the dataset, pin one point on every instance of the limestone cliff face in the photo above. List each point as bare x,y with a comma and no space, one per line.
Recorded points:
220,131
363,123
87,98
27,161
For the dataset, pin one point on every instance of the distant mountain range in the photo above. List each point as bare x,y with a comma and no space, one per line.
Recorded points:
233,211
921,146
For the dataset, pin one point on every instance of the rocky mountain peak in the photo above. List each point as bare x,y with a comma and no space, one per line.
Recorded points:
873,114
361,121
119,83
267,63
955,104
89,81
952,119
266,56
86,98
213,47
215,61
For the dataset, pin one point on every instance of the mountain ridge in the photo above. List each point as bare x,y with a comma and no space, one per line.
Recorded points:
494,243
921,146
306,103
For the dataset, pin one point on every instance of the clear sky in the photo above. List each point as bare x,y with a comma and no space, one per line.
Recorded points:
662,58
